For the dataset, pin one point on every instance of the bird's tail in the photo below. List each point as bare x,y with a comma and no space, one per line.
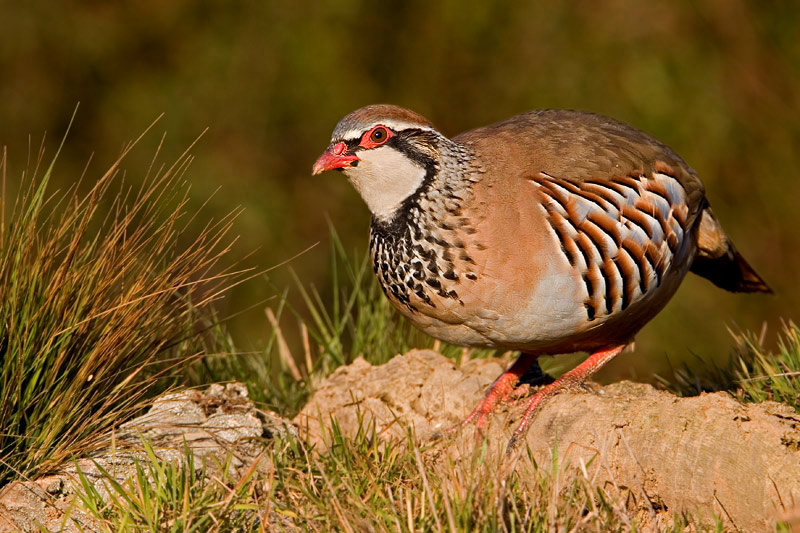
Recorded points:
718,261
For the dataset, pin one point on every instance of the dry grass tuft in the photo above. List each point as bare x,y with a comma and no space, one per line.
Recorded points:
101,296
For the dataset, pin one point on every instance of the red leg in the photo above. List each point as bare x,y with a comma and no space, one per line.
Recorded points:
569,380
500,390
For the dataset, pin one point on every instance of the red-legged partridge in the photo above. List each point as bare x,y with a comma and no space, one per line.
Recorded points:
554,231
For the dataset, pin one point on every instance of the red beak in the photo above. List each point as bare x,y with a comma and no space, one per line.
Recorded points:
333,158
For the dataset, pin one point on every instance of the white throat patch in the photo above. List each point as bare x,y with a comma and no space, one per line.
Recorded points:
385,177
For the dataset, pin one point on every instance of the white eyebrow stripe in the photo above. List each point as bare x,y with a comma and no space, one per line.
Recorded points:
394,125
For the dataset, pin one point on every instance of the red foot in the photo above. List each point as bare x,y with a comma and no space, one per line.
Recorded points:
500,390
569,380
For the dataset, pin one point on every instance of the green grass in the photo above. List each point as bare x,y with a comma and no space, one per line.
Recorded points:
175,497
751,374
361,483
101,305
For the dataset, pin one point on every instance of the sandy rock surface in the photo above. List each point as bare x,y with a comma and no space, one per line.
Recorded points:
214,422
708,454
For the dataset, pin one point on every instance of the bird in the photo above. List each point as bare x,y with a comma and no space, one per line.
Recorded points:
554,231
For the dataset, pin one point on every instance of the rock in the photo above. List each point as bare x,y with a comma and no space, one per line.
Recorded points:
707,455
422,389
219,421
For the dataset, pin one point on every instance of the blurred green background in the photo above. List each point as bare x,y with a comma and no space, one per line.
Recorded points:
717,80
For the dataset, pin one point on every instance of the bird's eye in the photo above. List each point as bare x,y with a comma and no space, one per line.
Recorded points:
378,135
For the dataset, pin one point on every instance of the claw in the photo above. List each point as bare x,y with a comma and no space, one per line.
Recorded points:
520,391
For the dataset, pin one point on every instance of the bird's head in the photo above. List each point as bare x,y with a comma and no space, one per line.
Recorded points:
386,152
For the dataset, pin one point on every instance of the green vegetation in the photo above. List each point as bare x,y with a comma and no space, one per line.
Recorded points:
361,483
99,308
751,374
175,497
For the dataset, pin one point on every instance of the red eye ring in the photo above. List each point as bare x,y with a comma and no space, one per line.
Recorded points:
376,137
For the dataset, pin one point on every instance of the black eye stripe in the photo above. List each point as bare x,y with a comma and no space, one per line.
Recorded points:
398,140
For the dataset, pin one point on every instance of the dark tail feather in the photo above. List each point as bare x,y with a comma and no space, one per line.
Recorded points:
730,272
718,261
